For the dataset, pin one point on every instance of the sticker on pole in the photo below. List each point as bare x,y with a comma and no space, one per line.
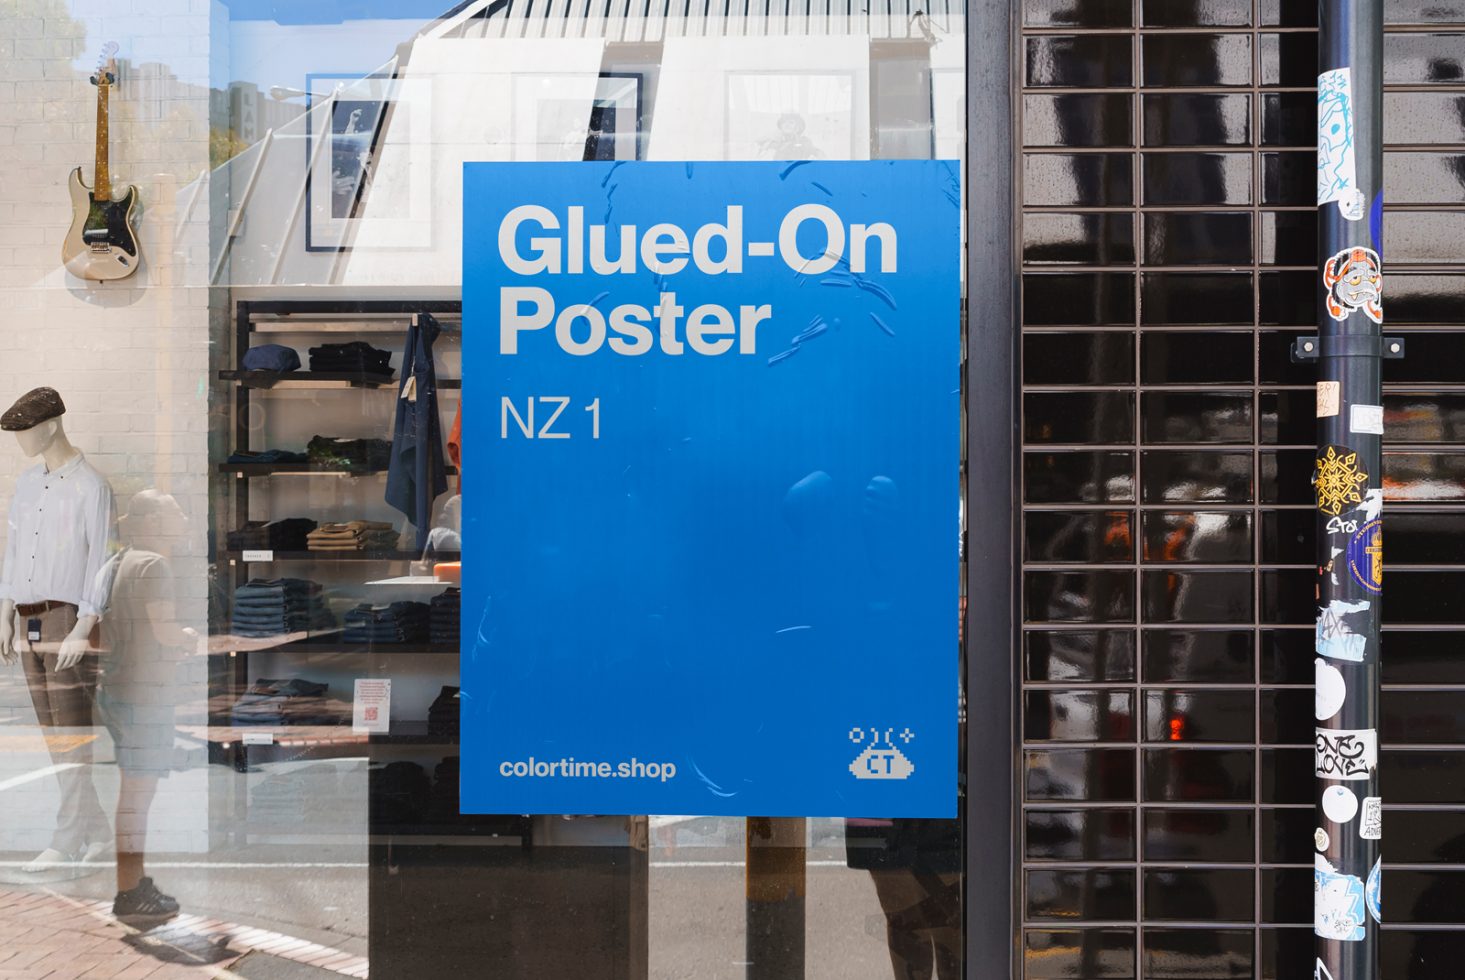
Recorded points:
1337,903
1337,167
1346,754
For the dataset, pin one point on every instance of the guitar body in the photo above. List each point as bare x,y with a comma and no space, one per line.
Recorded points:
102,243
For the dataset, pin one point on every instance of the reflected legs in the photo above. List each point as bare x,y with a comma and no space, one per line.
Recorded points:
923,923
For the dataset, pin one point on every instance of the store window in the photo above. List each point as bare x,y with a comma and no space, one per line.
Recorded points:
231,630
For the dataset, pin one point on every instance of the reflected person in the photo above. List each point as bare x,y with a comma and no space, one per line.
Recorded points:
145,645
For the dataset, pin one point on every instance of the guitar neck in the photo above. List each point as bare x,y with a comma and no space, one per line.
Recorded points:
103,176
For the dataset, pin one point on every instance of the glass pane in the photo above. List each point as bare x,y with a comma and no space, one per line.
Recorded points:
250,360
1093,180
1079,655
1077,358
1079,835
1057,954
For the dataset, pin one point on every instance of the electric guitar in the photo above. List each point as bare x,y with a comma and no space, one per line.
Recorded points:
102,243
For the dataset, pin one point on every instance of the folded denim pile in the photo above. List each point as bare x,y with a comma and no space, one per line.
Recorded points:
442,714
267,456
289,702
289,534
349,454
270,357
399,622
353,536
446,616
270,607
356,357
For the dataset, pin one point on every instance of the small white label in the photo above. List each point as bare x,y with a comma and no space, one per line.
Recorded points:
259,555
371,708
1366,418
33,635
1327,398
1371,827
259,738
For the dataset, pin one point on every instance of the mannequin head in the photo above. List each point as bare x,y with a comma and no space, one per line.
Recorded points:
38,438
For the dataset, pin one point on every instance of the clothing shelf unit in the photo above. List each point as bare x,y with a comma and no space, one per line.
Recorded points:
246,747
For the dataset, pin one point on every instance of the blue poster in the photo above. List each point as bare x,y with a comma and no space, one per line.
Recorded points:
711,445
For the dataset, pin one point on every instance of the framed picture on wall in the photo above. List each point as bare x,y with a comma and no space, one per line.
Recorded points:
577,117
368,146
782,115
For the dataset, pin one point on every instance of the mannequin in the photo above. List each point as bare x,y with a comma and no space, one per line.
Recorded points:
52,592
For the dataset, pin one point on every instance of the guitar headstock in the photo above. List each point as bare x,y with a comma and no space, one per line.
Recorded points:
106,73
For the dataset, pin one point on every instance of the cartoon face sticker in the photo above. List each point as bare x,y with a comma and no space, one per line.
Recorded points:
1354,280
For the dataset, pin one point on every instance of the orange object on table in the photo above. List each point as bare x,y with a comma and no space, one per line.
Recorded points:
448,571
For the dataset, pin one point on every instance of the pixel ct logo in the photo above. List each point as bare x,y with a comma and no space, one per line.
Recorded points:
880,759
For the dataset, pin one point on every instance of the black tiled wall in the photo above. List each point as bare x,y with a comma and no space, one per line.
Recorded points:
1168,259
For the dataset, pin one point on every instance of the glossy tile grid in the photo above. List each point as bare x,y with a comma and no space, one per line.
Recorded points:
1168,261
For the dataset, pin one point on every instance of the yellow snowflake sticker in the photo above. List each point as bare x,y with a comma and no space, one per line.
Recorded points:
1338,480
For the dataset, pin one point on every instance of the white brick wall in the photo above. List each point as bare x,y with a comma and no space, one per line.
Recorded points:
130,358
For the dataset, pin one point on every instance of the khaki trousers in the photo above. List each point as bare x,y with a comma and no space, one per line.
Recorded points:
63,700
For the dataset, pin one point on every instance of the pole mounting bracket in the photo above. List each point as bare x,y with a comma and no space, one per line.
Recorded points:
1307,350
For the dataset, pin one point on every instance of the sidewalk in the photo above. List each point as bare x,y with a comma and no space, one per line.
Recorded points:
47,936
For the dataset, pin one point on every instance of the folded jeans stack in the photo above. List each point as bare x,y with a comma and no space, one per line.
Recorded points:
349,454
270,357
356,357
289,702
399,622
267,456
289,534
446,615
353,536
286,605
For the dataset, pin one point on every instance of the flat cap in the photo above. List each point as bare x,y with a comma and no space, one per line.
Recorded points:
33,408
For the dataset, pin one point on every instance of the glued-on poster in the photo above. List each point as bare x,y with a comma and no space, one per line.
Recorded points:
711,455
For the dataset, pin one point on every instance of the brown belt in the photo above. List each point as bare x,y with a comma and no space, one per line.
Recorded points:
41,608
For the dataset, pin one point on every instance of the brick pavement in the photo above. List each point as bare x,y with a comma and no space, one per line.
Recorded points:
48,936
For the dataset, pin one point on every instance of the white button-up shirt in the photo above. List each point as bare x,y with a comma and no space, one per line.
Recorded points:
61,533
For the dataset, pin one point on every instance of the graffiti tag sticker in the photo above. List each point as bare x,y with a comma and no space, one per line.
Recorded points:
1348,754
1366,556
1354,282
1337,167
1338,479
1337,903
1335,638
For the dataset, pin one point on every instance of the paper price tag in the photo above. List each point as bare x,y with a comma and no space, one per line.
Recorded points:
259,555
259,738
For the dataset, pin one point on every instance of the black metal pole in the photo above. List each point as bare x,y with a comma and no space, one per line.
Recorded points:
1349,486
775,898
